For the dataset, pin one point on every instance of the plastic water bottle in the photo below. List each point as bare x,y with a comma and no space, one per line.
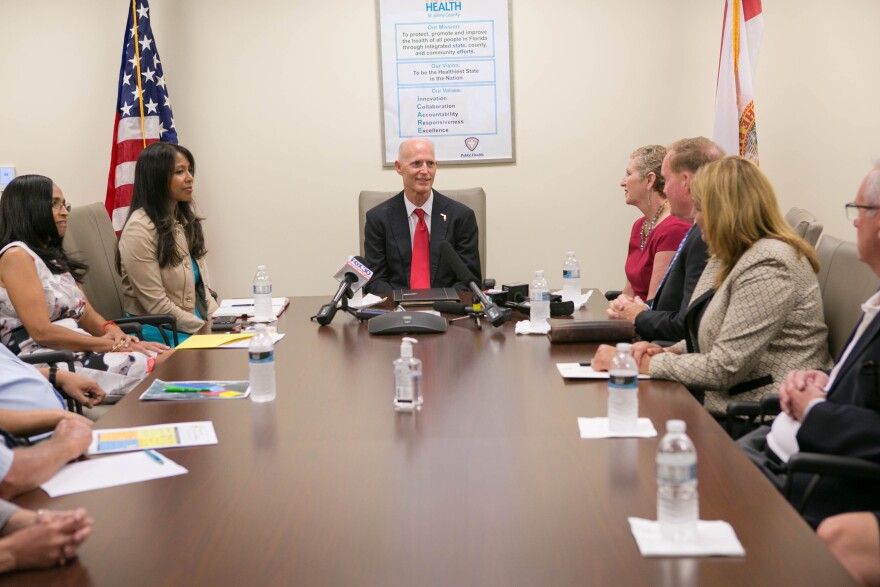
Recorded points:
623,391
263,296
407,379
571,278
539,300
678,507
261,360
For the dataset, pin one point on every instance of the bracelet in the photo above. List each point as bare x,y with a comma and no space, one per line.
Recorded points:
53,372
106,324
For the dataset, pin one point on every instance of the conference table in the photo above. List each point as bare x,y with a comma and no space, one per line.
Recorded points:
489,484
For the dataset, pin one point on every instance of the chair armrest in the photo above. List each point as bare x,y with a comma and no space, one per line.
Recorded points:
612,294
770,404
839,466
748,409
157,320
820,465
52,358
49,357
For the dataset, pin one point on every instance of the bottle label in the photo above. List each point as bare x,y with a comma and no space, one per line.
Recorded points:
261,357
571,274
262,288
676,474
539,296
627,381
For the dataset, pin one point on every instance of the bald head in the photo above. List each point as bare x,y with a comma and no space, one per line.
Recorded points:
417,165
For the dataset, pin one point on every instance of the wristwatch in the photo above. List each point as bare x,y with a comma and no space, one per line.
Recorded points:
53,371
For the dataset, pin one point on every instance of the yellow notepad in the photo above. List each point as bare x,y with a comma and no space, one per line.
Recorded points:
212,341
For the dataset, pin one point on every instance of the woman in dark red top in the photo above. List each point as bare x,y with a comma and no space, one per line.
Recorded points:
656,235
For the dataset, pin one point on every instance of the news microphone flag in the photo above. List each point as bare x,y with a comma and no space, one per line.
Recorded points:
143,110
742,31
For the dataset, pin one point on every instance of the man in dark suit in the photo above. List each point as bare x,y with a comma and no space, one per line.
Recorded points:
663,318
402,235
835,413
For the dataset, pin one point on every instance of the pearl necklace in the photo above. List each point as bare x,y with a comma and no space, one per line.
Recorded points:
647,228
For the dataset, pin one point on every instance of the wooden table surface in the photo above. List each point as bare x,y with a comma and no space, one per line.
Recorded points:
489,484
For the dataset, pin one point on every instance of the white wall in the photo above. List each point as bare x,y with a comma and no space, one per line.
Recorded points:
280,102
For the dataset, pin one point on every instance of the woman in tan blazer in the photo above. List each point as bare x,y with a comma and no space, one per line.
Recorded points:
161,251
756,312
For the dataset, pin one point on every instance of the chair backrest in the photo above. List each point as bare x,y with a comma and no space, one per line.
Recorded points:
845,283
805,224
90,238
473,198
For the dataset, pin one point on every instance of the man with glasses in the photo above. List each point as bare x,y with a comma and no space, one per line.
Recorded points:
402,235
836,413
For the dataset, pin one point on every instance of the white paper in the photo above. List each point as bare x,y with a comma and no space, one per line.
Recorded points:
579,301
110,472
360,301
526,327
239,306
598,428
715,538
578,371
150,437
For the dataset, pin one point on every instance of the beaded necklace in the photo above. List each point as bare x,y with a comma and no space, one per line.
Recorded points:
647,228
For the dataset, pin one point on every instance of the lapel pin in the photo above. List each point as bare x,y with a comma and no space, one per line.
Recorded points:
444,216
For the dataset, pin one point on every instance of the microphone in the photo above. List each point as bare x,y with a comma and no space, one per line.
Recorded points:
448,307
493,313
351,276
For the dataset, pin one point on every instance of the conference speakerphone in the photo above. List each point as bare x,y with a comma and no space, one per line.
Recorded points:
407,323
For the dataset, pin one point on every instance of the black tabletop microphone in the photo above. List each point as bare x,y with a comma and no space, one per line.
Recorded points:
449,307
493,313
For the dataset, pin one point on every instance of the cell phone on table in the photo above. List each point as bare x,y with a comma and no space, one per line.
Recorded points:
224,323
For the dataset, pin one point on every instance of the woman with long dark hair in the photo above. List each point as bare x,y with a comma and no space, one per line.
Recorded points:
161,252
41,303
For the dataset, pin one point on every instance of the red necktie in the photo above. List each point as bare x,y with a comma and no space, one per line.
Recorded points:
420,270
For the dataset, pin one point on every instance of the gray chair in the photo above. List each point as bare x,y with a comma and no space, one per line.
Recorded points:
805,224
845,283
473,198
90,237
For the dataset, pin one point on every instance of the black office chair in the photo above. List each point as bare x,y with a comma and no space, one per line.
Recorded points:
53,358
821,466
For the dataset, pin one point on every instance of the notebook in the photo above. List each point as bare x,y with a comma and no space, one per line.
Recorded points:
424,297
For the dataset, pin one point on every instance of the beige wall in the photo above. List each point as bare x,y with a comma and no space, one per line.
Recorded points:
280,102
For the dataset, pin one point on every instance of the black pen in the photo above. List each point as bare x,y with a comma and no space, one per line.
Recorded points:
587,364
241,305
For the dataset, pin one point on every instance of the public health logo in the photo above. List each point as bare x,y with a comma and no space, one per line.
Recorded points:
471,143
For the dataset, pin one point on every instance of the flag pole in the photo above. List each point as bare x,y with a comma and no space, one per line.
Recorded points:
137,55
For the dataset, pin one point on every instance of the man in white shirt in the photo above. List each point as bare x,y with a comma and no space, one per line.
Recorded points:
835,413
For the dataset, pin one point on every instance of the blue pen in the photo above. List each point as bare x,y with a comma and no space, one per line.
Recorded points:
154,456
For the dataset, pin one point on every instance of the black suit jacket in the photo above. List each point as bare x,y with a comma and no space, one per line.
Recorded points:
666,321
847,424
388,246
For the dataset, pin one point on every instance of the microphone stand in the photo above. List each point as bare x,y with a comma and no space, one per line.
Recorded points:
474,315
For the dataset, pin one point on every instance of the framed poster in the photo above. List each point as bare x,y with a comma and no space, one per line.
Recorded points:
446,78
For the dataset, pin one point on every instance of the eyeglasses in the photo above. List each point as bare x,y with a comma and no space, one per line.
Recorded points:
852,210
57,206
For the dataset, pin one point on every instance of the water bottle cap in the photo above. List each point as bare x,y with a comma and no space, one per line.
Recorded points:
261,267
259,328
676,426
406,347
624,347
539,273
570,253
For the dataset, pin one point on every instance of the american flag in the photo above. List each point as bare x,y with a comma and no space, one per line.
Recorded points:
143,110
